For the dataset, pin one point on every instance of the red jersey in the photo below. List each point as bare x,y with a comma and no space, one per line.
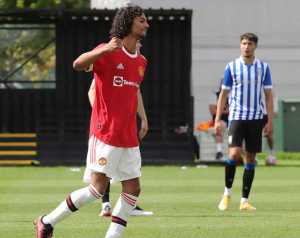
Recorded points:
118,76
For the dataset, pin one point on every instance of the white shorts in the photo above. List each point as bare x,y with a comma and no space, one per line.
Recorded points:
118,163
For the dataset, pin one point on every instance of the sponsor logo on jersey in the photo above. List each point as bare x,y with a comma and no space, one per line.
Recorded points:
119,81
102,161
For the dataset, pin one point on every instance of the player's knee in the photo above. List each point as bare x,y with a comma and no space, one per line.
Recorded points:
235,155
100,187
138,190
134,190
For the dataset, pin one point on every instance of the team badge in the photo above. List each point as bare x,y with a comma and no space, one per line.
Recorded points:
141,71
102,161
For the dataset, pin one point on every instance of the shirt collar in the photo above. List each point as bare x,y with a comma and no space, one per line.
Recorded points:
129,54
243,62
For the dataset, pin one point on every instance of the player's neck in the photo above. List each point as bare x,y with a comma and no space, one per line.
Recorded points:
129,43
248,59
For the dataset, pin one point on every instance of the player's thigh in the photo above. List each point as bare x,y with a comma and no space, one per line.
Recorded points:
103,158
236,133
253,140
130,164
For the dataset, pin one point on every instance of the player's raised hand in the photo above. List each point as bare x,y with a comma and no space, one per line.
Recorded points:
113,44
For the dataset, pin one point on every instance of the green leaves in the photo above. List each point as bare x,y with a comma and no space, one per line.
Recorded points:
42,4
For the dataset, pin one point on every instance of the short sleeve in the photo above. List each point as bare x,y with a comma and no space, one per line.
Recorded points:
267,82
227,82
98,64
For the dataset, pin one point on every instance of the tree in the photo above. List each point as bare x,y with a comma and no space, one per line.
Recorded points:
42,4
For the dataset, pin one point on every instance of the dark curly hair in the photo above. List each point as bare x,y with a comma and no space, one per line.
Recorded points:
123,21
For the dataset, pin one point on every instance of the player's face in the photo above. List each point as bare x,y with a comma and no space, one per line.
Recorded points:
140,26
247,48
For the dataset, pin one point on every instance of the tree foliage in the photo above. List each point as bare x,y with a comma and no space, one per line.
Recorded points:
42,4
18,46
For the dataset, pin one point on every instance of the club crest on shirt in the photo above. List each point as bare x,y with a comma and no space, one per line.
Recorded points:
102,161
141,71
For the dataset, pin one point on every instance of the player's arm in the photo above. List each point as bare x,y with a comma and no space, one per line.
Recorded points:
86,59
220,108
268,130
92,93
142,114
267,84
212,109
222,100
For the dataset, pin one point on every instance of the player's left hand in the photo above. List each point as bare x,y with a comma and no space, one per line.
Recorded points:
144,129
268,129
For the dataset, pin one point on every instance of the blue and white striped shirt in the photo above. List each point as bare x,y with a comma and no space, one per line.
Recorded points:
246,83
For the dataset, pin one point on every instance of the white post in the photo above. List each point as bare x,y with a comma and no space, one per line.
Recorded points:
109,4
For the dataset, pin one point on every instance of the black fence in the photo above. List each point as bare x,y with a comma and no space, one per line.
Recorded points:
60,116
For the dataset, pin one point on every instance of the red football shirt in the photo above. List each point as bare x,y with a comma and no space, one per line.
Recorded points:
118,76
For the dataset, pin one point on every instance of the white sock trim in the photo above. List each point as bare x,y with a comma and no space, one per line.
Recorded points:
244,200
227,191
94,192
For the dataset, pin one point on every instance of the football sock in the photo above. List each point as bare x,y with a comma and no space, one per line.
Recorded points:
120,215
72,203
105,197
248,177
230,167
219,147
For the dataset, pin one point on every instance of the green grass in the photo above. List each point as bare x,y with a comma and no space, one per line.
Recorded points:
184,203
282,156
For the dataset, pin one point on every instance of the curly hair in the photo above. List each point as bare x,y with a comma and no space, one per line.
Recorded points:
123,21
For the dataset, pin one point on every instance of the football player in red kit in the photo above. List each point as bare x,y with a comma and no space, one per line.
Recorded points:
113,145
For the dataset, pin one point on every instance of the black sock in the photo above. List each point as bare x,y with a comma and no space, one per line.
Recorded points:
105,197
248,177
230,167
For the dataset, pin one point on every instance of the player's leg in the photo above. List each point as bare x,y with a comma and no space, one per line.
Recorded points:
248,177
220,142
124,207
253,143
271,159
235,139
74,201
129,171
99,164
106,206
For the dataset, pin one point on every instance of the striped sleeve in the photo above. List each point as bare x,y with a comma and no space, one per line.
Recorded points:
227,82
267,82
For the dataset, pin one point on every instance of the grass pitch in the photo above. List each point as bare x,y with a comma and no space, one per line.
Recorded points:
184,202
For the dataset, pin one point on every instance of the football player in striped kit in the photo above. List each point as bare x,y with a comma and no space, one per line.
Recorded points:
246,80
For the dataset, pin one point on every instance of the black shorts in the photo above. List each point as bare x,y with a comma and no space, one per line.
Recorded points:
248,130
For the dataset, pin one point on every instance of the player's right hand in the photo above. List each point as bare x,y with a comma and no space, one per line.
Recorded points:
113,44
